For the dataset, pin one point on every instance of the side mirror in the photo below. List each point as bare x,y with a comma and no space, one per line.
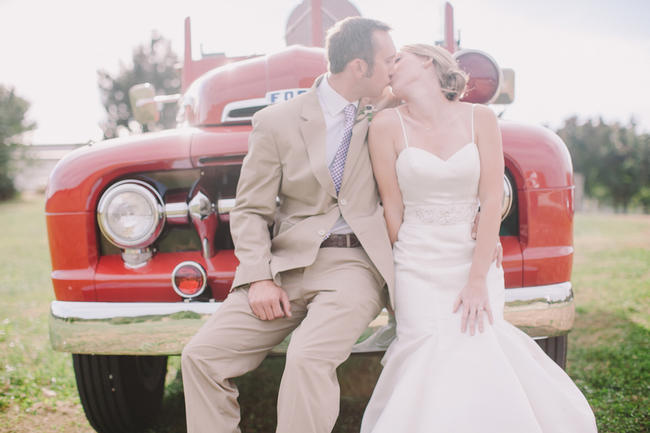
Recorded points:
143,104
507,90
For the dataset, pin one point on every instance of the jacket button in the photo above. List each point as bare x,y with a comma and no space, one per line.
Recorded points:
343,202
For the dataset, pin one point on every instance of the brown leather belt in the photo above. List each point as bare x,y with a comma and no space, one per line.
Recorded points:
349,240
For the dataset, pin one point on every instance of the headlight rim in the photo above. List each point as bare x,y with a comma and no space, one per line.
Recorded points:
150,194
508,198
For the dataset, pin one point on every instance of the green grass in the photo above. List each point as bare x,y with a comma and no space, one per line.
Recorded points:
33,378
609,348
30,367
609,353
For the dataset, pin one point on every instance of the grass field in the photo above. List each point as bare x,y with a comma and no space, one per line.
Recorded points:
609,349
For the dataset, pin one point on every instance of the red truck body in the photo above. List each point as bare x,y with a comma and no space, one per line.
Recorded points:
540,253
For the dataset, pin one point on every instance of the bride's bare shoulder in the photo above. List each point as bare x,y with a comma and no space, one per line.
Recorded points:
384,124
484,115
383,130
384,119
486,128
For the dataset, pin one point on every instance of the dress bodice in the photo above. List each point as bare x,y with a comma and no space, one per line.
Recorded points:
436,190
424,178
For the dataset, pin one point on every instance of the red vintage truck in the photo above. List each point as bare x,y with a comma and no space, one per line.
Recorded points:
139,227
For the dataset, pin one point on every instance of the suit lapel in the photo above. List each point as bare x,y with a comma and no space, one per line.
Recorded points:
313,131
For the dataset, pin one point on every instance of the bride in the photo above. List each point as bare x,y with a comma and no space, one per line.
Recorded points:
456,365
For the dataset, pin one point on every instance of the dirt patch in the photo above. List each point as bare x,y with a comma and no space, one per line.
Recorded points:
64,417
598,328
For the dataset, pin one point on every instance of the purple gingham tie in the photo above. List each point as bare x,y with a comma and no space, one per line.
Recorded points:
338,164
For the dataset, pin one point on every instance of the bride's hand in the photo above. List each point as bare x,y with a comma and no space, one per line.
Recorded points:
475,302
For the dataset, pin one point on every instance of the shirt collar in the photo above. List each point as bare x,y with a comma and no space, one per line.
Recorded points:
333,101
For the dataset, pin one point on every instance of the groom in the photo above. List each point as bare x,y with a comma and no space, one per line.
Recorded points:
323,272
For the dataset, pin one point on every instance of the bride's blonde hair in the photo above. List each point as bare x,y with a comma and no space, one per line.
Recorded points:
452,79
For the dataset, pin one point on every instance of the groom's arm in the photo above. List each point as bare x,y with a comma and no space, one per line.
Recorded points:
255,204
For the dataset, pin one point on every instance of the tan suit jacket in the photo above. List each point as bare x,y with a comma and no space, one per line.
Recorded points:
286,160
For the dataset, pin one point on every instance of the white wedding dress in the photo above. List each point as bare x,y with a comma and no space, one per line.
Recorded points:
435,378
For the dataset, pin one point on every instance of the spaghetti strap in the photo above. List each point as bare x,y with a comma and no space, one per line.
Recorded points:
473,139
399,115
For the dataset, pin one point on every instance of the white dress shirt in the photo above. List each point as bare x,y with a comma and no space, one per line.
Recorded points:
333,104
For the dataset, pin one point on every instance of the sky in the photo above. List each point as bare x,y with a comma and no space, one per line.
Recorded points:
589,58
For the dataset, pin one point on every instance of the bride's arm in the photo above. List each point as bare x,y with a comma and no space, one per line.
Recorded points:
383,155
474,296
490,191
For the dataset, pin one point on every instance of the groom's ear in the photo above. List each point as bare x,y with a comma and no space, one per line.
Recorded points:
359,67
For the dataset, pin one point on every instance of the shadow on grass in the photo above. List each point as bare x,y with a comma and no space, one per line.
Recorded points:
614,371
258,392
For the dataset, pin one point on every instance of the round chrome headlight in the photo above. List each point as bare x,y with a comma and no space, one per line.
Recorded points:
506,204
130,214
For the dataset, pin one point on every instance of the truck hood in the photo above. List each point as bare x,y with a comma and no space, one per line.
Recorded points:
83,174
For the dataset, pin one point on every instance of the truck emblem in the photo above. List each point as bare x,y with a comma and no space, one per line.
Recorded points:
283,95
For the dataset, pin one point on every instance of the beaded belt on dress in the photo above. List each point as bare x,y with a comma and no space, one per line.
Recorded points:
444,214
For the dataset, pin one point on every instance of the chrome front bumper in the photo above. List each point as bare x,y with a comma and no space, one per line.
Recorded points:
136,328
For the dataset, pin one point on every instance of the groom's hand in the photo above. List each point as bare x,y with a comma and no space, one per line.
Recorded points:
385,100
268,301
498,254
475,225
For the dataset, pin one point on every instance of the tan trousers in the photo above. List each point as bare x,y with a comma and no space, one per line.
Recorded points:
332,302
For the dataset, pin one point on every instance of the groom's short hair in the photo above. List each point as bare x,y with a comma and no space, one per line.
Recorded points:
351,38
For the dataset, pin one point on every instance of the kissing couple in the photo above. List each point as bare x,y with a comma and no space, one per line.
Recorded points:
367,216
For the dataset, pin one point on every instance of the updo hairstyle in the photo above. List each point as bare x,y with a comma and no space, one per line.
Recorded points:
452,79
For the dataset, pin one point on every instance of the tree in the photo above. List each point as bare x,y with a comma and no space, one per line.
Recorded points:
642,197
614,160
12,124
154,63
622,160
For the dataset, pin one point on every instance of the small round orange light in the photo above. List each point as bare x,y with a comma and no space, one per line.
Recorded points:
189,279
